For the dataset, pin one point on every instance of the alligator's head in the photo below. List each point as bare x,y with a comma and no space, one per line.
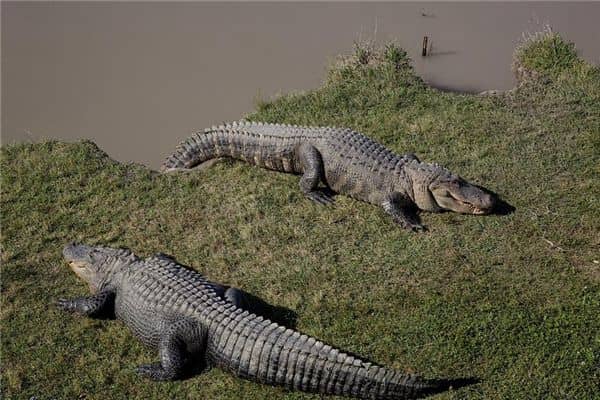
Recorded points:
436,189
95,265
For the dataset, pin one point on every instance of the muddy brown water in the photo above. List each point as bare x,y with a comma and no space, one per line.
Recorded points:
138,77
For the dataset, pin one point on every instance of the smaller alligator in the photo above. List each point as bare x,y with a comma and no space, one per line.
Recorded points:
192,321
346,161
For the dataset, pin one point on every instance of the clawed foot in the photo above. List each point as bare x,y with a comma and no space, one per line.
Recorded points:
65,305
411,225
415,227
320,197
155,372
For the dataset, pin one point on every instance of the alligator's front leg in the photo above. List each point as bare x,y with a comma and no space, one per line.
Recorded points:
311,163
182,338
102,304
402,212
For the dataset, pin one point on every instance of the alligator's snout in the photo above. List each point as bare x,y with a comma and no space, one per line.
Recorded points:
76,252
69,250
486,204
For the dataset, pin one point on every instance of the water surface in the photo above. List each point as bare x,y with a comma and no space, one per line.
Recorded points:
138,77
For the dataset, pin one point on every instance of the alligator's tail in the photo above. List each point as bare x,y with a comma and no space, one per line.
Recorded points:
213,143
248,141
272,354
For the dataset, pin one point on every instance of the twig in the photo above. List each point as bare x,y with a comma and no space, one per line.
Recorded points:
552,245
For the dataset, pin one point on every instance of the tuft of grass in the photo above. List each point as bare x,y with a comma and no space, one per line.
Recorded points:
546,55
512,300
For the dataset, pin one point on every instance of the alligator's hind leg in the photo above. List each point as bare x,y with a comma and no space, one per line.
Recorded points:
182,338
313,173
236,296
101,304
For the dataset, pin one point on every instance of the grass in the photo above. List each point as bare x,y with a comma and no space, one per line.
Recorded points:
547,54
513,299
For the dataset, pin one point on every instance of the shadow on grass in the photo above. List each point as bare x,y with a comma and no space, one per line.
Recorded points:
253,304
501,207
278,314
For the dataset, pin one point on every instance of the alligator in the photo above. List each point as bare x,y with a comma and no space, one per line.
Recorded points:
345,161
193,321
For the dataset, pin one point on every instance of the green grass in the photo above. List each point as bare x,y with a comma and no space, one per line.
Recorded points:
547,53
513,299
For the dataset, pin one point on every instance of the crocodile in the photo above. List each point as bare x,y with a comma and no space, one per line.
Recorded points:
192,321
345,161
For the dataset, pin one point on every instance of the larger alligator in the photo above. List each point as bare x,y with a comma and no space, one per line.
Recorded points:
346,161
190,319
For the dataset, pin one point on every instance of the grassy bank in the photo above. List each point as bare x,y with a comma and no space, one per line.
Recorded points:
511,299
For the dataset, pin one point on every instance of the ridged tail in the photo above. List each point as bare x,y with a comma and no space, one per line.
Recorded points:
269,353
200,147
270,146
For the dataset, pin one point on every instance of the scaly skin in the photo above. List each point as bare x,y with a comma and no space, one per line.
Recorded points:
190,319
347,162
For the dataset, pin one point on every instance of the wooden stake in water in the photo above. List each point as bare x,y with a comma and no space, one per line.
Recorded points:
424,51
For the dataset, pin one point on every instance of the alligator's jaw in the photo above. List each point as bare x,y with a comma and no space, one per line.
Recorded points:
474,209
453,193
